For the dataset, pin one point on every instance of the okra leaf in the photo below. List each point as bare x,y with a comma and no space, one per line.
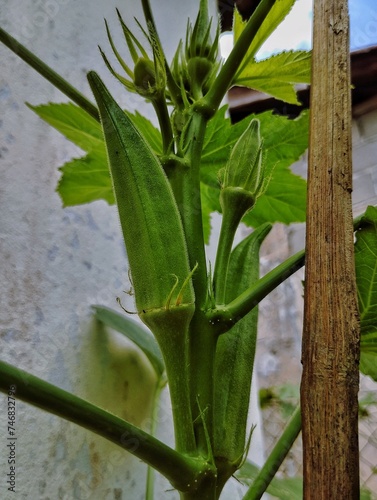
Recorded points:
88,179
366,280
277,75
284,200
84,131
134,332
85,180
276,15
74,123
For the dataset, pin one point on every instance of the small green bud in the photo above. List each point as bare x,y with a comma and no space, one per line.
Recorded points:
148,77
199,69
145,76
200,41
244,179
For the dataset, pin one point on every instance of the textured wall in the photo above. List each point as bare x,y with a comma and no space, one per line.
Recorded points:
56,262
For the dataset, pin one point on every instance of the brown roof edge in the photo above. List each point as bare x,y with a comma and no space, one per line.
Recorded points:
244,101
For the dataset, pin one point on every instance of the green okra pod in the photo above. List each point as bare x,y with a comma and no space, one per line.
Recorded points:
149,216
234,360
156,248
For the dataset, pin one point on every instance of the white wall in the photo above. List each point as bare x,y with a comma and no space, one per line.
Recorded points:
56,262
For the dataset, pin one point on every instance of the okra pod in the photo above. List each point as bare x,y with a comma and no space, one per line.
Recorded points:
156,248
234,360
150,220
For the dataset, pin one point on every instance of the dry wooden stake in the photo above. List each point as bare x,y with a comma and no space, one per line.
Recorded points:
330,352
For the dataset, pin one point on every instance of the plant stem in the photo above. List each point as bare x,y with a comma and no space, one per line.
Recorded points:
276,457
229,224
175,92
229,314
185,182
48,73
161,382
203,340
331,327
174,345
179,469
224,79
162,113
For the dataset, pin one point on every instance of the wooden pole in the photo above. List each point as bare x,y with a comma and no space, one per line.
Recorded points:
330,351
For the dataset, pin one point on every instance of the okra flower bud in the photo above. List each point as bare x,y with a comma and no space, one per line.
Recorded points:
194,68
244,177
244,180
148,78
144,76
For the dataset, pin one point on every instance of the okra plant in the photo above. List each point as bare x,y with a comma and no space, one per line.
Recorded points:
201,317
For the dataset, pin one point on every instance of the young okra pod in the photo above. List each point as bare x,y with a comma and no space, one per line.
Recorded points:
156,247
151,224
234,360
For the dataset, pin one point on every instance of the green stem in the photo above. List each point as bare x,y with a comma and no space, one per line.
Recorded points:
185,182
162,113
203,341
48,73
161,382
229,314
206,492
232,216
179,469
175,356
224,79
175,92
276,457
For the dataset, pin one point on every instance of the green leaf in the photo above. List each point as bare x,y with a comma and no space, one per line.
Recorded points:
88,179
284,201
276,15
219,138
134,332
277,75
74,123
284,142
284,489
85,180
366,280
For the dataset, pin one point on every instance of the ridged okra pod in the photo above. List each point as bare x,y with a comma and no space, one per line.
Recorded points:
156,247
234,361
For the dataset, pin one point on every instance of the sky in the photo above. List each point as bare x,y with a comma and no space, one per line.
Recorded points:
295,31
